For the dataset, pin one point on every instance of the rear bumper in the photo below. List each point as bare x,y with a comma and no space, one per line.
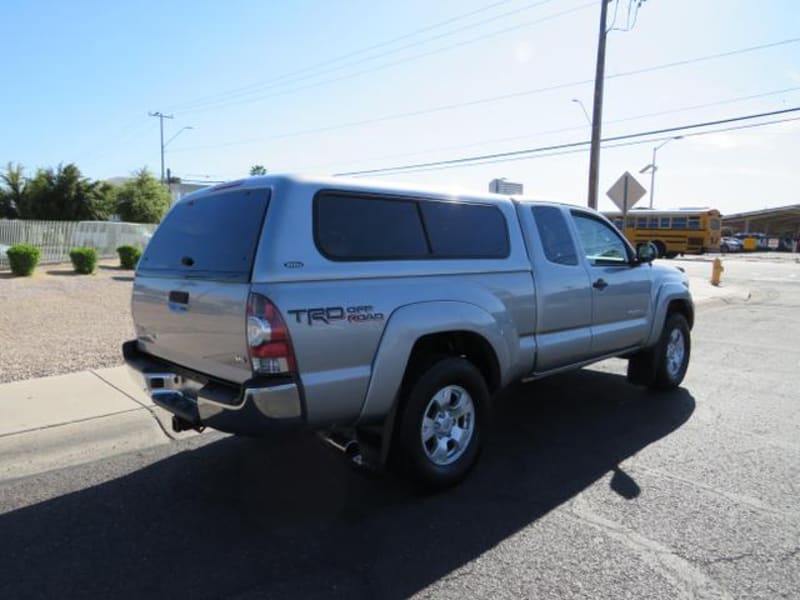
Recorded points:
257,407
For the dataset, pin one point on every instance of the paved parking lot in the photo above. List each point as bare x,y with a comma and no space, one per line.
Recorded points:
589,489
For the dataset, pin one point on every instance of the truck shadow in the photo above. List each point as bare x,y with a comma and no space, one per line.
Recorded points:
289,518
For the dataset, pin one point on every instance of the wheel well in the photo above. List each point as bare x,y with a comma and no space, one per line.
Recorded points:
472,346
682,307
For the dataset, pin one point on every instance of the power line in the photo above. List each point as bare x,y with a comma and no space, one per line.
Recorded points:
513,153
296,76
491,99
348,55
394,63
605,145
582,127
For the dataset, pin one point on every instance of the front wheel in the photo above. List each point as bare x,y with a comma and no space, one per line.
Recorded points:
442,423
663,367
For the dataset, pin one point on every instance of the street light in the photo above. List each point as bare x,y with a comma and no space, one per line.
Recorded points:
585,112
181,130
652,168
164,145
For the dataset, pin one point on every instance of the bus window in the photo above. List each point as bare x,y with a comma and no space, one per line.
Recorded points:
618,222
664,222
641,223
652,223
715,224
631,223
694,222
679,222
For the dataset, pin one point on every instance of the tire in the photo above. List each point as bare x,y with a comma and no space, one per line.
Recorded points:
656,367
427,447
671,254
672,353
661,248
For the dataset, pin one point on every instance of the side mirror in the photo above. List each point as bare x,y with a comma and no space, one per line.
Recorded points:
646,253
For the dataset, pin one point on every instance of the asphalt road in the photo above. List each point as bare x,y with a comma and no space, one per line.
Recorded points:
590,488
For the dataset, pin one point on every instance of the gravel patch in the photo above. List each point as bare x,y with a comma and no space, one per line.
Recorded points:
58,322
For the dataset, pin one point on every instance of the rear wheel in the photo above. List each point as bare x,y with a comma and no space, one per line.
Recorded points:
660,248
442,423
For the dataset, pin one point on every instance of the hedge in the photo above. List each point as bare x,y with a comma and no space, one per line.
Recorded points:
23,259
84,259
129,256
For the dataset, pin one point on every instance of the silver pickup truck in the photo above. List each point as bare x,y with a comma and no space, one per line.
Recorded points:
387,317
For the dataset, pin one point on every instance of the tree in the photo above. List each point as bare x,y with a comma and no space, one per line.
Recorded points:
12,193
64,194
142,199
258,170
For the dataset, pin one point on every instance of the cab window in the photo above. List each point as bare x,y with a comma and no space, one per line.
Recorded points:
555,236
600,243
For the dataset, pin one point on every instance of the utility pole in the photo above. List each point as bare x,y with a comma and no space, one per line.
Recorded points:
597,112
161,116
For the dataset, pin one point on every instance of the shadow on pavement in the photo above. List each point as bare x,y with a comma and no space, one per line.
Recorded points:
64,272
288,518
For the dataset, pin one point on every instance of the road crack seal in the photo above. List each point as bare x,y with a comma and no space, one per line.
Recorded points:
689,580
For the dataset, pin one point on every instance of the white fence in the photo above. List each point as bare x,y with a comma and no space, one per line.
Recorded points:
56,238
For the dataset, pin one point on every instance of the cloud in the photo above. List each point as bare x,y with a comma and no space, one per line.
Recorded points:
523,52
722,141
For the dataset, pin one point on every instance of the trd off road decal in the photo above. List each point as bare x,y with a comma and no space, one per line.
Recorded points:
331,314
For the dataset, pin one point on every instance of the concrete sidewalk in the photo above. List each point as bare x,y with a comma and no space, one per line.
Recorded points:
703,292
53,422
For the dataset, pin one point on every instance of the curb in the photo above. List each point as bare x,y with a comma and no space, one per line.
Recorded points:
57,446
63,420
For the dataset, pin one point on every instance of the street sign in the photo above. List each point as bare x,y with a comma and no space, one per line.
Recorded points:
626,192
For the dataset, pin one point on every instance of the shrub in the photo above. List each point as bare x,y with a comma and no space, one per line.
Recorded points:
23,259
84,260
128,256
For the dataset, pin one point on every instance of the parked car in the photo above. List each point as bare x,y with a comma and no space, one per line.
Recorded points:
752,241
730,244
385,317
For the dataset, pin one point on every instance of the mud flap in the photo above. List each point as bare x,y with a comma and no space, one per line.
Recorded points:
642,367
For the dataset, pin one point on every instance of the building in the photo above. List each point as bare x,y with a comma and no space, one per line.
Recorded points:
508,188
180,189
781,222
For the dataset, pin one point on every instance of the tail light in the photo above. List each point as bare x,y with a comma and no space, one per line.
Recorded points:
268,340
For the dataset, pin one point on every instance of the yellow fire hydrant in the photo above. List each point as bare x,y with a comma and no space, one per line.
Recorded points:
716,271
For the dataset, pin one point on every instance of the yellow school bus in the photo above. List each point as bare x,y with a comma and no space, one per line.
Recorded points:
672,232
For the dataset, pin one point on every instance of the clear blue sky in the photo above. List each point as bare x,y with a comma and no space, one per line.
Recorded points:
80,78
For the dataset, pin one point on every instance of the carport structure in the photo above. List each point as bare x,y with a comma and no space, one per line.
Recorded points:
783,222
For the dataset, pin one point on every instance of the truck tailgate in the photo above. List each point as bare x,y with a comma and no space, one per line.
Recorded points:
196,324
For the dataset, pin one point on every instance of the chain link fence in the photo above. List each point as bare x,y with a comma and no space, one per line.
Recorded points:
56,238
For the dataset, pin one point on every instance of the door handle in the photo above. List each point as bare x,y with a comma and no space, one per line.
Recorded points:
179,297
600,284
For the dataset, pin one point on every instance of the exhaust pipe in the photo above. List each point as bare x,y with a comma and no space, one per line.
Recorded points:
179,425
346,445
